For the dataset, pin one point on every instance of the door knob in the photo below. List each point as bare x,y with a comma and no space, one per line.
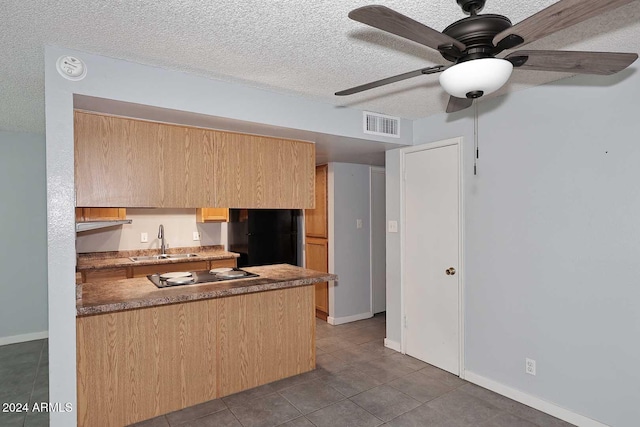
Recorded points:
450,271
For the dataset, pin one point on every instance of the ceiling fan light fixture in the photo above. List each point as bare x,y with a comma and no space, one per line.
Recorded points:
478,76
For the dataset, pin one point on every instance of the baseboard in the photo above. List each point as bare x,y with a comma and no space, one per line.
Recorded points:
532,401
24,338
393,345
347,319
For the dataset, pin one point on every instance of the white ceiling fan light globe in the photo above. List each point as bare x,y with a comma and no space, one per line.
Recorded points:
485,74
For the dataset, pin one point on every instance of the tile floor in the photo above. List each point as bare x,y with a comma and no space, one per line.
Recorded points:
24,379
358,383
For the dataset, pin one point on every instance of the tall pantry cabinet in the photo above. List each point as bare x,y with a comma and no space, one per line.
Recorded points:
317,240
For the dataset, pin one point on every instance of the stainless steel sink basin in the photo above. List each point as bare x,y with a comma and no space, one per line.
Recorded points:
161,257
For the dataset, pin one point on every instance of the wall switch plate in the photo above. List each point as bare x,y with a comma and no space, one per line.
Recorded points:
144,237
530,366
358,223
393,226
196,235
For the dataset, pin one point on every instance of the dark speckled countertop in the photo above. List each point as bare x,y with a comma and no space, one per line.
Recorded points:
100,260
126,294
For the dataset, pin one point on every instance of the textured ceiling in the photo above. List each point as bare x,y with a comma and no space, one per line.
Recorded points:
309,48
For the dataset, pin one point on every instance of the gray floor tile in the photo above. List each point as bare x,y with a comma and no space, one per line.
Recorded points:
355,354
298,422
312,396
442,376
420,387
507,420
247,395
343,414
196,411
12,351
464,407
11,419
385,402
267,411
408,361
37,419
351,381
298,379
153,422
383,370
377,347
330,363
424,416
331,344
223,418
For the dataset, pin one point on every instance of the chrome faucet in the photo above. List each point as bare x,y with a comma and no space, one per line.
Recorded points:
163,246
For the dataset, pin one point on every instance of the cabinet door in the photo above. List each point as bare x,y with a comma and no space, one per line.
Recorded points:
100,214
259,172
316,219
317,258
118,162
212,215
187,157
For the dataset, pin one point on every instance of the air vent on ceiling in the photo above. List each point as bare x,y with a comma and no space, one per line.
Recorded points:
379,124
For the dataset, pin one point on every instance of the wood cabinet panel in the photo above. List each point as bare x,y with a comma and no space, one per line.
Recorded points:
100,214
260,172
212,215
317,258
229,262
187,159
104,274
117,162
263,337
138,364
316,219
144,270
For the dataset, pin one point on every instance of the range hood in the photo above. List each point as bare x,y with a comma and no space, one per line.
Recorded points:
94,225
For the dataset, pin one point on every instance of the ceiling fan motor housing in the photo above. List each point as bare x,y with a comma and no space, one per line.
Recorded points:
477,33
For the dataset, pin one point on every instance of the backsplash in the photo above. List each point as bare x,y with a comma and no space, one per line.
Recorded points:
179,225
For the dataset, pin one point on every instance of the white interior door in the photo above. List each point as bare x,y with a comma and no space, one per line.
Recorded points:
431,236
378,242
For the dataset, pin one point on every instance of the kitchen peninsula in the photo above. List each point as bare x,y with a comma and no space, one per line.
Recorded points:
144,351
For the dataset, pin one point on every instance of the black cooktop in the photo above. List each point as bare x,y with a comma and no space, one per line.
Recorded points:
203,276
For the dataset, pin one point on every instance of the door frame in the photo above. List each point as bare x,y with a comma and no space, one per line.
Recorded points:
372,170
403,152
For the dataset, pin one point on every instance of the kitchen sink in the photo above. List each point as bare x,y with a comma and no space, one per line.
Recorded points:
161,257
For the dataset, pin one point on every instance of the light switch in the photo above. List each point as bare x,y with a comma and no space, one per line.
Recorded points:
144,237
358,223
393,226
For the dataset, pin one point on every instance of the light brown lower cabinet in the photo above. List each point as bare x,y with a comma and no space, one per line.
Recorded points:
138,364
317,258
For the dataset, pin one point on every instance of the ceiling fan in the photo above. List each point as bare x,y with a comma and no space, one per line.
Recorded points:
472,44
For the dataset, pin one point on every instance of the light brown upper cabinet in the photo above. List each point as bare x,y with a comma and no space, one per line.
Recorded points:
136,163
316,218
100,214
212,215
260,172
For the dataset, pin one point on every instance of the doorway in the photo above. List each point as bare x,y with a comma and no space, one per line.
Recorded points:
431,285
378,241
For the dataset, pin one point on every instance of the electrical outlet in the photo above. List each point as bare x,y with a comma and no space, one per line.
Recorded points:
196,235
144,237
393,226
530,366
358,223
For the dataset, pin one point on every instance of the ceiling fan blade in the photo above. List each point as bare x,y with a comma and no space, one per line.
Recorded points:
389,20
603,63
399,77
458,104
556,17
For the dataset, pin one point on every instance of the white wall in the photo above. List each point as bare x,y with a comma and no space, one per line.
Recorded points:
23,257
551,241
349,254
179,225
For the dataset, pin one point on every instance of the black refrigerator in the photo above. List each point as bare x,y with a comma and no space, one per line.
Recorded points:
264,236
